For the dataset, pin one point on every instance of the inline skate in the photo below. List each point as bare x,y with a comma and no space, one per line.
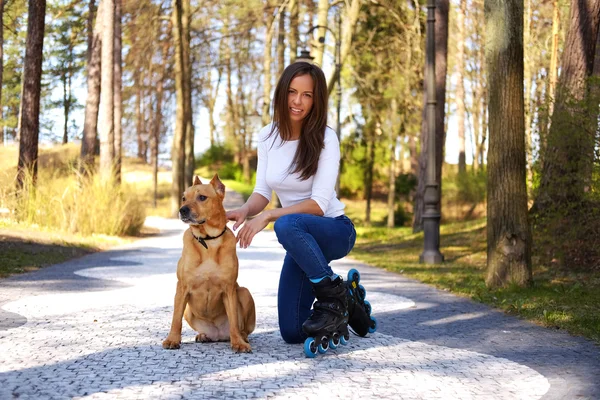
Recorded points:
327,326
359,309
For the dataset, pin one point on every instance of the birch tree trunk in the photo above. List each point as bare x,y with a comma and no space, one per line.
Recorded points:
106,117
187,90
460,86
318,47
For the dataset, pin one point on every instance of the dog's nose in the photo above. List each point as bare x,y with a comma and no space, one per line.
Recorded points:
184,211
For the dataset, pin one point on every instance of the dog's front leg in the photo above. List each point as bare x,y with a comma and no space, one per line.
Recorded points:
238,344
173,340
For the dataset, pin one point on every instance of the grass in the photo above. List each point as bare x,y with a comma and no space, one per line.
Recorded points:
559,299
26,247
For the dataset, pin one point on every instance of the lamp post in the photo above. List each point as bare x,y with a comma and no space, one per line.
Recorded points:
431,199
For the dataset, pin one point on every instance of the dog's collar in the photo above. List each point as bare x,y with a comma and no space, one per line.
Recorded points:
201,240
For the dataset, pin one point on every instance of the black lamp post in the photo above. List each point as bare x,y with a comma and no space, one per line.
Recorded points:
431,199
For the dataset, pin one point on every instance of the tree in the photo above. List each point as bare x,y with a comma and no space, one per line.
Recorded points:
117,95
460,86
30,102
508,232
441,60
178,147
569,153
1,67
92,103
106,121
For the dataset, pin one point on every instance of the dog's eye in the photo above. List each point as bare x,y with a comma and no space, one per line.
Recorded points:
202,197
183,198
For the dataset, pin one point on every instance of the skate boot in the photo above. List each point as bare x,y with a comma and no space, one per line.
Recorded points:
359,309
327,326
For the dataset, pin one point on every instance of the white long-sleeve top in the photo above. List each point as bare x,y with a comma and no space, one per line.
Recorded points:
274,173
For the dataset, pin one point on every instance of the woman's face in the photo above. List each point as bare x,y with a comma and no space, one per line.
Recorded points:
300,97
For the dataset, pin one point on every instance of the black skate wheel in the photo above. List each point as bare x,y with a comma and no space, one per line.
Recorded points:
353,274
310,347
368,307
373,326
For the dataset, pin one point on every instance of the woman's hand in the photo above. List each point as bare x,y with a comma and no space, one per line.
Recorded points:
238,215
251,228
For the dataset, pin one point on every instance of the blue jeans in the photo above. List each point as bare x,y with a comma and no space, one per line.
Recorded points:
311,242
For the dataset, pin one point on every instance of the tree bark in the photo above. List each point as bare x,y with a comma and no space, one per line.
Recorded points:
267,61
319,48
1,69
187,76
118,77
460,87
106,117
30,102
90,125
441,57
508,232
281,42
178,147
569,154
294,32
350,22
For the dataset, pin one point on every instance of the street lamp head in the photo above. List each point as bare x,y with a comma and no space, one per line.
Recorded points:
305,56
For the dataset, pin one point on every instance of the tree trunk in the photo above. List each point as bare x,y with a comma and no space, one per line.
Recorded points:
319,47
106,119
351,19
441,57
90,125
370,153
508,233
267,61
392,170
30,102
65,138
569,153
528,73
460,87
281,42
294,32
178,147
187,76
118,103
1,70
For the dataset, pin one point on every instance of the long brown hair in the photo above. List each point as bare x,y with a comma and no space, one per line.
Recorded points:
312,135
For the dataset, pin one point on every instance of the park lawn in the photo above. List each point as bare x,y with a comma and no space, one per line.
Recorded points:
26,248
558,299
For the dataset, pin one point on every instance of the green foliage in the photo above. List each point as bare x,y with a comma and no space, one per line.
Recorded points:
216,154
405,184
401,217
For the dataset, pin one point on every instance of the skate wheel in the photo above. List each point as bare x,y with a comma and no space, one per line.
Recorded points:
344,339
310,348
334,342
368,307
323,348
373,326
353,274
362,292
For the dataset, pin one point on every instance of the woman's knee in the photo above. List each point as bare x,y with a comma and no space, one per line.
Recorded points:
285,226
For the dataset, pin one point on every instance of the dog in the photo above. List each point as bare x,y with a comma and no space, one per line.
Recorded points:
208,295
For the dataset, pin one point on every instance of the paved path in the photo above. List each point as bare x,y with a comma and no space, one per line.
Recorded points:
93,327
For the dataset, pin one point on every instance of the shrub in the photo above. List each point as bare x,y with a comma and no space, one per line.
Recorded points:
77,205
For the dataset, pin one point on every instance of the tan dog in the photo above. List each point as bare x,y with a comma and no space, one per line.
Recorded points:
208,295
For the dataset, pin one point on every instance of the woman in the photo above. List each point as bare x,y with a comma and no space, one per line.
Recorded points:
298,157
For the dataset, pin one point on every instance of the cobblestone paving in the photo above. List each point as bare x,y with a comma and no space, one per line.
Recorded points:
93,327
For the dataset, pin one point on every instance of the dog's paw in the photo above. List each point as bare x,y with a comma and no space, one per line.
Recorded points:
202,338
171,344
241,347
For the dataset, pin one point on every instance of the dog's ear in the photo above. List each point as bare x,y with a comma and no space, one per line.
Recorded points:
196,181
218,185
